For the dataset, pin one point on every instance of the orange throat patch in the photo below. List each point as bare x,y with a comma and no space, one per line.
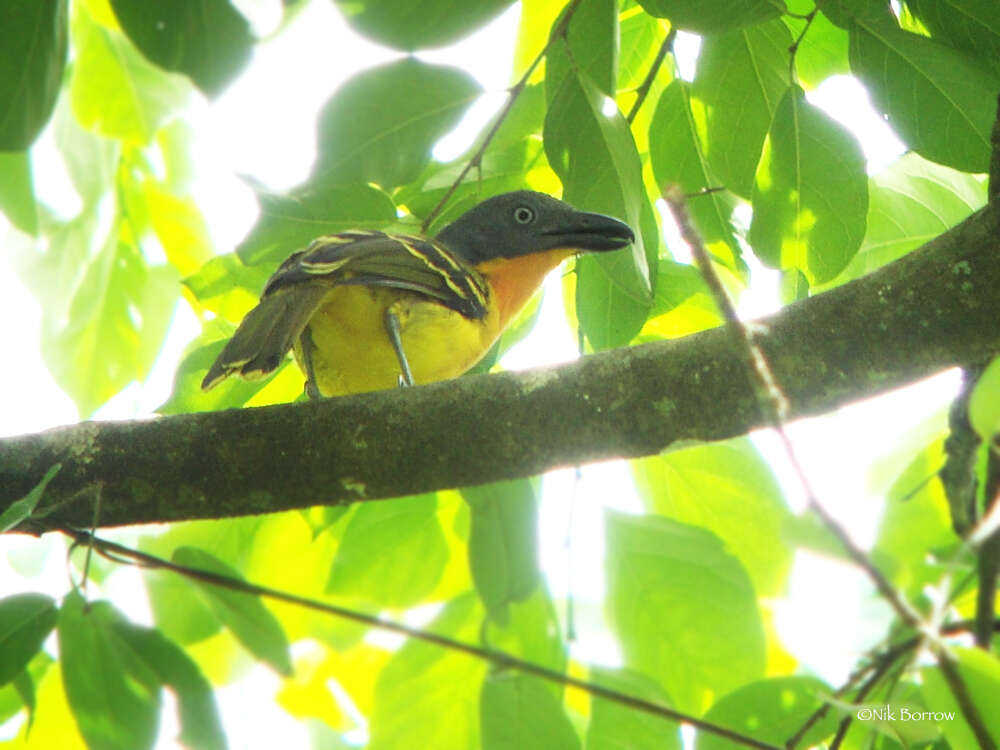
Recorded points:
514,280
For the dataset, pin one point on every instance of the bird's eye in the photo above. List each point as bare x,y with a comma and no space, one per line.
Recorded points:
524,215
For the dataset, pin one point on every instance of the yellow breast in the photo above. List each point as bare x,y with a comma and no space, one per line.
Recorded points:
353,354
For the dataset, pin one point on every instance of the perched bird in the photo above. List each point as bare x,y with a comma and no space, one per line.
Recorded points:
366,310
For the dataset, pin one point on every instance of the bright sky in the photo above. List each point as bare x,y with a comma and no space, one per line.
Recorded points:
264,127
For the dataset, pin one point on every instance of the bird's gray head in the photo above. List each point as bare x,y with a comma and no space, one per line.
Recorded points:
525,222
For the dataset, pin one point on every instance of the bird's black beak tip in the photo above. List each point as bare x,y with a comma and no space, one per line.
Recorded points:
596,233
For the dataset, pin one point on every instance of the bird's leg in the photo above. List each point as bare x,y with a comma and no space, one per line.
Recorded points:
306,342
393,329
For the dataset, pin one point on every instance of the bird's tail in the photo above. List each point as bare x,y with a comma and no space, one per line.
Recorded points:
266,334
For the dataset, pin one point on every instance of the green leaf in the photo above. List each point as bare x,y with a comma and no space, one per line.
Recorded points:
676,152
20,692
25,622
741,77
17,192
683,608
822,54
810,195
771,710
972,26
614,726
247,618
714,16
504,166
427,696
187,395
23,509
938,100
640,36
519,713
290,222
532,633
115,323
114,90
916,521
503,543
113,694
180,613
728,489
391,554
208,40
910,203
381,124
199,717
33,44
410,26
590,47
91,159
227,286
984,404
980,672
595,157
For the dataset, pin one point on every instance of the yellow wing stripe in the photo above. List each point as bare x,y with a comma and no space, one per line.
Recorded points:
462,280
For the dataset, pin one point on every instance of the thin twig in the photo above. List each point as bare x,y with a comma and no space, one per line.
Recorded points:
988,557
121,553
994,185
773,401
869,684
773,404
647,83
808,18
557,33
90,543
949,670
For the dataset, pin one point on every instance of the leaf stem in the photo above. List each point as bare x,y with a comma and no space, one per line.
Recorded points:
643,91
128,556
514,92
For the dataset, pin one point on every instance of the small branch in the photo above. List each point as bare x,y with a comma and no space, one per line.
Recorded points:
126,555
515,91
994,185
792,50
988,555
879,672
775,405
933,309
878,665
647,83
958,475
949,670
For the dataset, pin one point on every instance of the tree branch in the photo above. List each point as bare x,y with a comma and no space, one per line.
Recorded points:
500,659
933,309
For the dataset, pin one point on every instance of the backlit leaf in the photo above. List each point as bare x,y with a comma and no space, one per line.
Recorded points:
391,554
714,16
938,100
245,615
683,608
409,26
810,195
741,77
208,40
25,621
370,132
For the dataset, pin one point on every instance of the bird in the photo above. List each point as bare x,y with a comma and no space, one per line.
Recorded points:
367,310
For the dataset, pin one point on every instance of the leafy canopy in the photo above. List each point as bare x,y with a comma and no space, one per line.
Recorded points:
606,121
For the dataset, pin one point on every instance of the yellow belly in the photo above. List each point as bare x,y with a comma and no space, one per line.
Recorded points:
352,352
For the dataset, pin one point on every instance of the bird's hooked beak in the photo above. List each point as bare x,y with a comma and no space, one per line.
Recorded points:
592,232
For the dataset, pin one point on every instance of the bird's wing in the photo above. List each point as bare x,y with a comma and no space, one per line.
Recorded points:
365,258
379,259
